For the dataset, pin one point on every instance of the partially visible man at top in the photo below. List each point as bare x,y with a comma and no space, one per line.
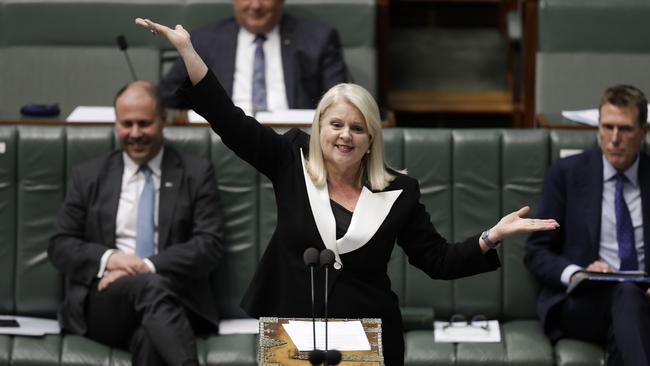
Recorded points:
265,59
601,199
138,234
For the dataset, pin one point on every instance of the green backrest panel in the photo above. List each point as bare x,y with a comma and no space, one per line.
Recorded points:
7,217
238,188
41,182
587,45
85,143
476,207
524,161
194,140
563,142
428,157
84,23
594,26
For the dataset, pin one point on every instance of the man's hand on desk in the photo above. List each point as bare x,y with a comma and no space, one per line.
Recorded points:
130,263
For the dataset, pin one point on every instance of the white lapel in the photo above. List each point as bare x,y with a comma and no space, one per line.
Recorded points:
370,212
321,209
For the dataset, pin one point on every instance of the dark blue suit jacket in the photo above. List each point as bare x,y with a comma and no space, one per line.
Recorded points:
312,60
573,195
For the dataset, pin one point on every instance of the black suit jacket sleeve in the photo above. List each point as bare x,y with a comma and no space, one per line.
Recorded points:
199,254
429,251
70,251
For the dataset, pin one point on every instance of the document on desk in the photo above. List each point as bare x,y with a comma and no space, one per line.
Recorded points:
28,326
443,333
290,116
92,114
588,279
342,335
239,326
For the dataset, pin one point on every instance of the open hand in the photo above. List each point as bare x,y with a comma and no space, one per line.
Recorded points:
178,36
514,223
129,263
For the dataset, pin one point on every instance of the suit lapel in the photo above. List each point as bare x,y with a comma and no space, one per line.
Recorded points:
289,67
170,182
226,53
371,211
109,197
591,180
644,184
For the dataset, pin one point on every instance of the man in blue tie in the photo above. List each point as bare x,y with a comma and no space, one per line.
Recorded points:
601,198
265,59
137,236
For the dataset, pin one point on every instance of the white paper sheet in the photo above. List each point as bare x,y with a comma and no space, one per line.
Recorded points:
292,116
342,335
239,326
31,326
92,114
467,333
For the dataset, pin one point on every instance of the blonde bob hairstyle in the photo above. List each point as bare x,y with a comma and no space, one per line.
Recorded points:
373,167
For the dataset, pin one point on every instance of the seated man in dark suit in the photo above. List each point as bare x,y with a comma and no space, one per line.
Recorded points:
137,236
601,198
266,60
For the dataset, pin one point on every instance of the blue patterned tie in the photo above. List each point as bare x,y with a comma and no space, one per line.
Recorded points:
259,76
624,228
144,237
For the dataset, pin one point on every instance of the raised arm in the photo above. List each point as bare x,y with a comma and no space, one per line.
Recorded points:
180,39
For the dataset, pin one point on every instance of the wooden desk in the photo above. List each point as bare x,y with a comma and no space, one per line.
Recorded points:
555,120
276,348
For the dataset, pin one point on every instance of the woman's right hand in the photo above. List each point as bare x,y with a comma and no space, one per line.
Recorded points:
179,38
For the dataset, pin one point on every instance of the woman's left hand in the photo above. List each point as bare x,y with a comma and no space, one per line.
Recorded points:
514,223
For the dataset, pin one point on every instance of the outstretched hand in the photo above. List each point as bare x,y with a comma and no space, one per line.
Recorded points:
178,36
515,222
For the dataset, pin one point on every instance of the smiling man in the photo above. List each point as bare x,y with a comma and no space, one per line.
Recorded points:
601,199
137,236
265,59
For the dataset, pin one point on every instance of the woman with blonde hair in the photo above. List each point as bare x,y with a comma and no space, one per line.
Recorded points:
334,190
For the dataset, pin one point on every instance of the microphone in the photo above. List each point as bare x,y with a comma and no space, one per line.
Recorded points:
326,260
121,43
333,357
311,257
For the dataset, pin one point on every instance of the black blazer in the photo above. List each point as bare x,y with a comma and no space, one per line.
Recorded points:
312,60
361,288
572,195
189,231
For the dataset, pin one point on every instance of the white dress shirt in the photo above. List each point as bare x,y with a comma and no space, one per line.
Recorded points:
242,89
126,221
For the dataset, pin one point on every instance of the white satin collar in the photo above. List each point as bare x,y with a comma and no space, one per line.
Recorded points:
370,212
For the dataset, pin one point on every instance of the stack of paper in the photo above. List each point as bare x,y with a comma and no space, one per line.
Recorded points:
28,326
341,335
466,333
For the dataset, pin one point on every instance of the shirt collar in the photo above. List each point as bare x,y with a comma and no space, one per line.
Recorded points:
248,38
131,167
632,173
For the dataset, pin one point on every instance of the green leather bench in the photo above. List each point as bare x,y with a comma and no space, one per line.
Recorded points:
469,179
65,51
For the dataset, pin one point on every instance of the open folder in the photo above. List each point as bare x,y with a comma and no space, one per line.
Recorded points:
588,279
